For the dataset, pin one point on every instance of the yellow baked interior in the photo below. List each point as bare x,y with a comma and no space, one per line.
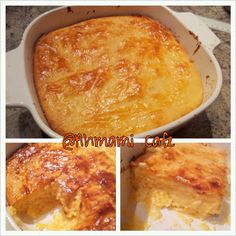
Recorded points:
116,75
190,178
80,184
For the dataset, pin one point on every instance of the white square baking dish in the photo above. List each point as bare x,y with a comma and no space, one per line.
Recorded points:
197,39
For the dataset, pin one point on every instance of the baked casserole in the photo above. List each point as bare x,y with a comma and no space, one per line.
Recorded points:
190,178
117,75
80,184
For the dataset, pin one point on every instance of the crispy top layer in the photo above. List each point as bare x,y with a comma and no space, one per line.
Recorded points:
91,171
116,75
198,166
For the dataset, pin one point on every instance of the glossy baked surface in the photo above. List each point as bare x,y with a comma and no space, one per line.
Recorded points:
40,177
117,75
191,177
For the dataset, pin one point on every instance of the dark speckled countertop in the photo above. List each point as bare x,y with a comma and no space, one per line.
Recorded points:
214,122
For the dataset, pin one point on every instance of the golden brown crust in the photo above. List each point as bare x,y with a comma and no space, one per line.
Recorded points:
197,166
91,171
114,76
191,178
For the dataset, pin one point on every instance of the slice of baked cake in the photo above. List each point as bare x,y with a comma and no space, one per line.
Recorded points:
81,183
188,177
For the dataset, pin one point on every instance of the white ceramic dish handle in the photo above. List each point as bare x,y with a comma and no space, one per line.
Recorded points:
199,28
17,92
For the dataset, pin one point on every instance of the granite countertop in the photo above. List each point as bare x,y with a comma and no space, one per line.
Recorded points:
214,122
